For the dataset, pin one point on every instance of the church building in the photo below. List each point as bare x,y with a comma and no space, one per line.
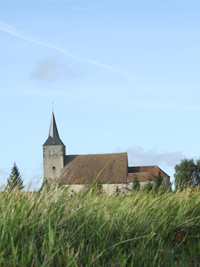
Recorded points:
112,169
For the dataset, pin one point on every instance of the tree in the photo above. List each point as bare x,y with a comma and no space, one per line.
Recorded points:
159,180
136,184
187,173
15,180
196,179
148,186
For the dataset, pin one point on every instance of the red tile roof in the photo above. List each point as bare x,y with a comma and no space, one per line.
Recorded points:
143,173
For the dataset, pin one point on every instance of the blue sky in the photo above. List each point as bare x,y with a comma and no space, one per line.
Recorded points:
123,76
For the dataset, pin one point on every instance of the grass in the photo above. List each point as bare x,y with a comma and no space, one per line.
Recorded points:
51,229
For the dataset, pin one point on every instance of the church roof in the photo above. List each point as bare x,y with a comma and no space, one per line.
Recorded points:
53,138
107,168
143,173
152,169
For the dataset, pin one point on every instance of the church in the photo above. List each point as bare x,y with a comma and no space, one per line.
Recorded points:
111,169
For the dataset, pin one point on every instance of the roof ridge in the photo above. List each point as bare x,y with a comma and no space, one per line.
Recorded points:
98,154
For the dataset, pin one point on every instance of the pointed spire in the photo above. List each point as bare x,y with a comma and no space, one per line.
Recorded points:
53,132
53,138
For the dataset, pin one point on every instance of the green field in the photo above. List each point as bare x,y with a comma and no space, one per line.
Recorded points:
51,229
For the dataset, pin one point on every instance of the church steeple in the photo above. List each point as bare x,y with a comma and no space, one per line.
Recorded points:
53,153
53,138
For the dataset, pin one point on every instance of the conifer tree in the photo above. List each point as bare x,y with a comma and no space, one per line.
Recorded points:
136,184
159,180
15,180
148,186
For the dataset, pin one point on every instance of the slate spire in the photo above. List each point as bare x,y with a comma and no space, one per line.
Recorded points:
53,138
53,132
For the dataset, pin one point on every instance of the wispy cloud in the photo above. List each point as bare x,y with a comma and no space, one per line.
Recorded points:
7,28
50,69
138,156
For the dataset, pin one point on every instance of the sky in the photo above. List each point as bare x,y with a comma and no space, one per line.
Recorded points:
123,77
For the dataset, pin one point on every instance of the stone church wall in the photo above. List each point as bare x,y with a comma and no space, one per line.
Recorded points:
53,161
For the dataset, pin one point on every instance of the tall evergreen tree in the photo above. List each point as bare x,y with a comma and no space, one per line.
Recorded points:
136,184
159,180
15,180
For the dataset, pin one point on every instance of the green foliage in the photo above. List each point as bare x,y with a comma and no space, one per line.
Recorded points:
46,229
136,184
14,180
187,173
159,180
148,186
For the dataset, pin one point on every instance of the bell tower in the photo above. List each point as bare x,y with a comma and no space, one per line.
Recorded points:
53,153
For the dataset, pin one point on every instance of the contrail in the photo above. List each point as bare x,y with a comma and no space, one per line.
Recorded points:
7,28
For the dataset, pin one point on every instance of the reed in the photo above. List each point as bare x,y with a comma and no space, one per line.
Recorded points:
87,229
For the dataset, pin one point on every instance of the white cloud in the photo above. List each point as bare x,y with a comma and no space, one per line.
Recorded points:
138,156
50,69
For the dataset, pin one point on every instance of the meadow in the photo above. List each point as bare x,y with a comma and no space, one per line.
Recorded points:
140,229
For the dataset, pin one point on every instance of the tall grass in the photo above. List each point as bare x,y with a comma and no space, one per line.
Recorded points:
53,229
